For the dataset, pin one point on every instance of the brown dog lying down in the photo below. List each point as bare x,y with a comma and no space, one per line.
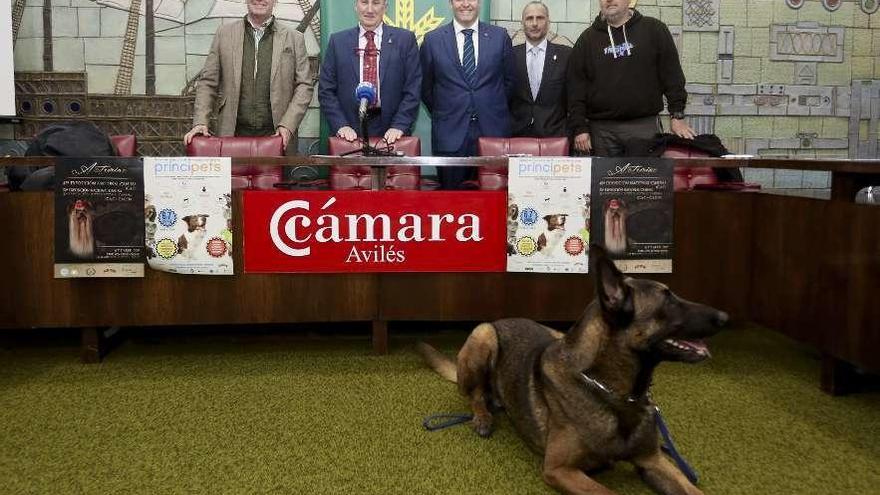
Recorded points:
582,398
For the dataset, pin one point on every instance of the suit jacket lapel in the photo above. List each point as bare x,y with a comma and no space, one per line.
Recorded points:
550,65
520,55
351,40
237,43
277,48
386,50
483,57
450,46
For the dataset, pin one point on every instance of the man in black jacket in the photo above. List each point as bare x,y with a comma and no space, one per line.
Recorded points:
538,106
621,68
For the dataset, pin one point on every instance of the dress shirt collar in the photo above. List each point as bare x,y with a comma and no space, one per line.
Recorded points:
261,27
378,32
459,28
542,45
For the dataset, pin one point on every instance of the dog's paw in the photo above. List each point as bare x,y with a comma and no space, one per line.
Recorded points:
483,425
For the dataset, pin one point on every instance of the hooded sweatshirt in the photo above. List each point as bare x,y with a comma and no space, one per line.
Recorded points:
623,73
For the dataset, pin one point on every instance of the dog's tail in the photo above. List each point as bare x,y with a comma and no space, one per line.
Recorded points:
444,366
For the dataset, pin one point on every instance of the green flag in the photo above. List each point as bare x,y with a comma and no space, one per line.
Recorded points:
419,16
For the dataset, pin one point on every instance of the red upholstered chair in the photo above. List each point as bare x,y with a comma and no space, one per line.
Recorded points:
686,178
243,176
125,144
495,178
359,177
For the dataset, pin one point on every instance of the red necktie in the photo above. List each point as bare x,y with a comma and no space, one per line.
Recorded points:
371,56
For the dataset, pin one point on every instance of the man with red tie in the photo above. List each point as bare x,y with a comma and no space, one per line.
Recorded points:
385,56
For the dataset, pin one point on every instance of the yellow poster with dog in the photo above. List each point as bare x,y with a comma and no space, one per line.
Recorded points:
548,214
188,214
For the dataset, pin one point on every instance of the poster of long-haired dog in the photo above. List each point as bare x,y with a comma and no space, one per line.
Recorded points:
188,215
633,212
548,214
98,217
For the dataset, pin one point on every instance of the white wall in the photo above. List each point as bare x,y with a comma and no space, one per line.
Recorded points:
7,89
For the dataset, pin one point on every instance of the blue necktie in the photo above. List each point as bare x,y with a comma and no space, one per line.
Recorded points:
468,62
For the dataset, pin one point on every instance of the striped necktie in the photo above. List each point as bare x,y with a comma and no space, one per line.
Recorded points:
468,62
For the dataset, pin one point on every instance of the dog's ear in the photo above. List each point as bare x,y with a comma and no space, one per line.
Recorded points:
615,297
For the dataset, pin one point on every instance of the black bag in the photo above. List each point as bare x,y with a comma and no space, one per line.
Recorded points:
74,138
707,143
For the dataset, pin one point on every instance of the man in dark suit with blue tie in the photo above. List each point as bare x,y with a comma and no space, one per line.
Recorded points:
538,106
467,78
387,57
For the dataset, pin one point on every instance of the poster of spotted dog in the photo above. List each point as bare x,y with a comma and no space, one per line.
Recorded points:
548,214
188,215
98,218
633,212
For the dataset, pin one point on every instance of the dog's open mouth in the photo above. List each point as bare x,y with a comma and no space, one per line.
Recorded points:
689,351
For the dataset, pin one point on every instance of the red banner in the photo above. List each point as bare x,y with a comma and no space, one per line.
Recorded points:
374,231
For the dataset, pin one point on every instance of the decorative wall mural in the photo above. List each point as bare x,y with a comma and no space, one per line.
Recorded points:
831,5
170,10
130,66
700,15
175,10
122,64
17,11
404,17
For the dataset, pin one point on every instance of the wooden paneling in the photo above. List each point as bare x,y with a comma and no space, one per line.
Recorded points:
32,298
806,267
713,241
465,296
711,265
816,274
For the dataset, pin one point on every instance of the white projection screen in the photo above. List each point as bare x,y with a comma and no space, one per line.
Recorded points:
7,66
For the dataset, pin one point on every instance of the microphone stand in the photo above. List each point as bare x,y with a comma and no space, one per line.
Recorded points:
366,148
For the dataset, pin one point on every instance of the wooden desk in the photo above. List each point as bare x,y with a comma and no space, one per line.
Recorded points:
805,267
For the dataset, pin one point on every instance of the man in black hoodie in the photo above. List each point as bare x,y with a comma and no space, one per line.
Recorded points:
618,73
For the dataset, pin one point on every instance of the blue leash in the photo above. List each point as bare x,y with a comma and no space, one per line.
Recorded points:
669,447
442,421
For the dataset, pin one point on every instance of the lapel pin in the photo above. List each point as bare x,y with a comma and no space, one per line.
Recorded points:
554,58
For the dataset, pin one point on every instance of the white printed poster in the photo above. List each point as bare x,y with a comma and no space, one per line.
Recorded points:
188,214
548,214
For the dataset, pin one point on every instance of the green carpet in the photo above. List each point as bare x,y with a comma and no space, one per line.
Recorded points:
224,414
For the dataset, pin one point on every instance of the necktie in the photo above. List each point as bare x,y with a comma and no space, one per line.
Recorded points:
371,56
468,62
534,71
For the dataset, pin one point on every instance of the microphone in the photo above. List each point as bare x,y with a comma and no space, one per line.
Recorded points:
366,94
